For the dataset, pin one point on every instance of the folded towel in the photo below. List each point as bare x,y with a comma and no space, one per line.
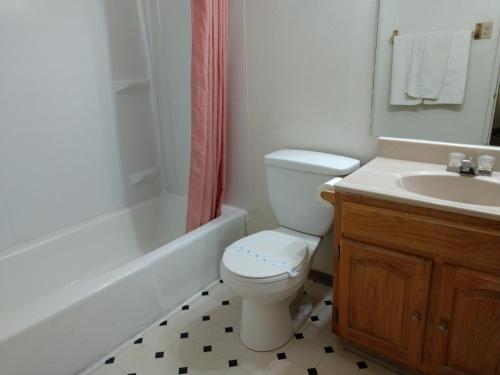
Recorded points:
401,58
455,77
429,59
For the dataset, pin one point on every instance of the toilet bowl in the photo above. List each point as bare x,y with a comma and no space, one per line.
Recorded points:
259,269
268,269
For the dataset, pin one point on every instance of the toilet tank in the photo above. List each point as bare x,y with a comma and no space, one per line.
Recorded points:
293,179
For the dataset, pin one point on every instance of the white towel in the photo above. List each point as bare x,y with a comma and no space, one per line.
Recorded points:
430,52
455,77
401,58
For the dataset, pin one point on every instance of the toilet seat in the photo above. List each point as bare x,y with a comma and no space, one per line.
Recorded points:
266,256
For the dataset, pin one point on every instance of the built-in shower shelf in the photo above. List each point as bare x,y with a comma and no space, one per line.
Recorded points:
119,86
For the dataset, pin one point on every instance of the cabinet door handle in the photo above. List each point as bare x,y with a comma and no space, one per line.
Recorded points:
443,327
415,317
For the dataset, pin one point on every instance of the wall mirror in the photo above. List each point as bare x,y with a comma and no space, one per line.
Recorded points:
437,71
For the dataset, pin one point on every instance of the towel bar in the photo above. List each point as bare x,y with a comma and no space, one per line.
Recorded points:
476,34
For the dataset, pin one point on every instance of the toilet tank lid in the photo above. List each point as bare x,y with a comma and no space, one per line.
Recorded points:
312,161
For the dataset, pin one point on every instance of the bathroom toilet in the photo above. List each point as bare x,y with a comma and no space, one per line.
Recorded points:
268,269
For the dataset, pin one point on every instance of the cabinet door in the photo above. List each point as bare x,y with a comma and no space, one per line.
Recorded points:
383,300
467,331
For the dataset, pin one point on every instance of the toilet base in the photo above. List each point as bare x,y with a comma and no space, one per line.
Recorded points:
300,309
265,327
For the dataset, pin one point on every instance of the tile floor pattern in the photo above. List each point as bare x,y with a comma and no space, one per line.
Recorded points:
202,337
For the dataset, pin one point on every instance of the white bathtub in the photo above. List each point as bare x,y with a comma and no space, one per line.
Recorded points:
70,298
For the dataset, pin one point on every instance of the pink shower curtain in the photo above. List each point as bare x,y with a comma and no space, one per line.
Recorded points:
208,111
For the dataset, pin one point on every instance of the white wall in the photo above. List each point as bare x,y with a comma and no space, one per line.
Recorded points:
6,235
60,156
309,69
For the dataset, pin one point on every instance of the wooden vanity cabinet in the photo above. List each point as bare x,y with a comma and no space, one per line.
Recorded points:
417,286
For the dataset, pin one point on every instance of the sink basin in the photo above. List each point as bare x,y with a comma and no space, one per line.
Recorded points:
464,189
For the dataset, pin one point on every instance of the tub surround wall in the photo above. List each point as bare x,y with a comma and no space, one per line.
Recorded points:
173,47
61,159
137,123
309,86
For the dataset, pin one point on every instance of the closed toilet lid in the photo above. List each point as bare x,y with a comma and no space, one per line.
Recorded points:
265,254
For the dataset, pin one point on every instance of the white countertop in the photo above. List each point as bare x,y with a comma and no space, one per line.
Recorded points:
380,178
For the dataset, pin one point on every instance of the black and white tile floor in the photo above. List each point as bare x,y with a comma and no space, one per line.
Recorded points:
202,337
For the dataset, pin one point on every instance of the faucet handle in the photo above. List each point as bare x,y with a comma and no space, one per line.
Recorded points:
455,158
485,164
455,161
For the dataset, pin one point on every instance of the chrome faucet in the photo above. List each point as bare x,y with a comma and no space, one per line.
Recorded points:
457,163
468,167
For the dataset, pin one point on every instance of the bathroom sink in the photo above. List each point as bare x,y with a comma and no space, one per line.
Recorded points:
464,189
